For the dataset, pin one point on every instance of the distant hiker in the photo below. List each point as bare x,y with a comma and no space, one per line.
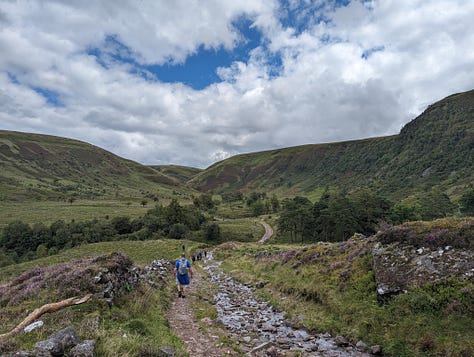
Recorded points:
183,247
183,274
205,254
193,258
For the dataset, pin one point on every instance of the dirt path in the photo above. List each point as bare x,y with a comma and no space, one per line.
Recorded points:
268,232
185,325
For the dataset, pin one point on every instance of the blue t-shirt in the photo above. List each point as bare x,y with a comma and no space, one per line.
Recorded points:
183,279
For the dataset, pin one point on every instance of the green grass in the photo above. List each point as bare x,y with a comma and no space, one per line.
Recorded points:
242,230
141,252
48,212
136,324
325,290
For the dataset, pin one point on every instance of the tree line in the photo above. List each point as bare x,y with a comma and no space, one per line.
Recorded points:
21,241
339,214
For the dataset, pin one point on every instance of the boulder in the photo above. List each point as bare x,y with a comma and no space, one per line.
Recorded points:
83,349
58,343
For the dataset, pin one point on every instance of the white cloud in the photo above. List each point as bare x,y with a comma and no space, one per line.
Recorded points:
416,52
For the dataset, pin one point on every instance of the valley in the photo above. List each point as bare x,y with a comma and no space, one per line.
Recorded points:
342,249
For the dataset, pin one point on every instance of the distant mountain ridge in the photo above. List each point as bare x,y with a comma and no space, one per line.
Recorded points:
435,149
45,166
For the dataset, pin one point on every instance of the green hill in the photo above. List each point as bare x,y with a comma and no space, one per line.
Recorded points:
435,149
37,166
180,173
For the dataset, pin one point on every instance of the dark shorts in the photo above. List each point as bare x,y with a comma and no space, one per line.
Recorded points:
183,279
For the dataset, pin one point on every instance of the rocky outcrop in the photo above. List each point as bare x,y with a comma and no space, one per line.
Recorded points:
121,279
400,265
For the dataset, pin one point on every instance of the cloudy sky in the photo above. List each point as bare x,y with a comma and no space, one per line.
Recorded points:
191,82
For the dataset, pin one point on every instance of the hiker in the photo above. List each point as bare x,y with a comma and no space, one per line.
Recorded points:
183,273
193,258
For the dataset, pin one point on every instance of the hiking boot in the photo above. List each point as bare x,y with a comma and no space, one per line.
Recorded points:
183,296
180,294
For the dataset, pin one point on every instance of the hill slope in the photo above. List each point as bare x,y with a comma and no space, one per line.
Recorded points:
43,166
436,148
180,173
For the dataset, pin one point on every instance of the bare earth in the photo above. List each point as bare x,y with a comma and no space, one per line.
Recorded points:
184,324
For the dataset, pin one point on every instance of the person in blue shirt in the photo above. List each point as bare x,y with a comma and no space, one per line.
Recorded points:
183,273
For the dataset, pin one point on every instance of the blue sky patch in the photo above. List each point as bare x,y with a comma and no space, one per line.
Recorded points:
50,96
200,69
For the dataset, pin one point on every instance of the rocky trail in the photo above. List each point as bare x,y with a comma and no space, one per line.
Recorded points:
254,326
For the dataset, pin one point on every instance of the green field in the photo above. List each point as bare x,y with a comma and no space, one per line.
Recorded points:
48,212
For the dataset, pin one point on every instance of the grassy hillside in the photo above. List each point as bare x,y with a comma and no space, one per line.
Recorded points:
47,167
435,149
180,173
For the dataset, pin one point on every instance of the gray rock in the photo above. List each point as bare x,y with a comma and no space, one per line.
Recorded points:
341,341
83,349
33,326
57,343
167,351
376,350
361,346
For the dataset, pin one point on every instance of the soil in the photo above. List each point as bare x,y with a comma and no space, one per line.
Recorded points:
185,325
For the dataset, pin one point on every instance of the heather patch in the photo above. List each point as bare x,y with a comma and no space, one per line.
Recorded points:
64,280
439,233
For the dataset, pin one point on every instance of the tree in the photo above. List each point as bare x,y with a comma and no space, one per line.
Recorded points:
435,204
369,209
122,225
174,213
18,237
296,218
402,212
258,208
5,259
275,203
212,231
178,231
466,203
204,202
41,251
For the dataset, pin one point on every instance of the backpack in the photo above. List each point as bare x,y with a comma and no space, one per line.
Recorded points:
183,267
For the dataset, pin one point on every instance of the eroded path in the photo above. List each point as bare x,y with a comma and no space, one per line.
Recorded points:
268,232
263,331
198,341
248,325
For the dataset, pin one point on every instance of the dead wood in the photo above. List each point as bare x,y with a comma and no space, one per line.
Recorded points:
51,307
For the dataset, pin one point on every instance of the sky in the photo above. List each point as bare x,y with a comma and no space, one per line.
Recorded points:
192,82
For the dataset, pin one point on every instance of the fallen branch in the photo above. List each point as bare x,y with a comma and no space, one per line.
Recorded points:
52,307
